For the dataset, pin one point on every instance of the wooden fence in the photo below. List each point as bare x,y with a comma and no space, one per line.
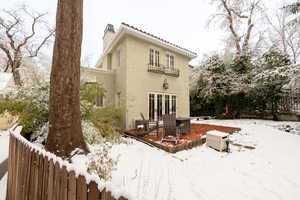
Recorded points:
33,174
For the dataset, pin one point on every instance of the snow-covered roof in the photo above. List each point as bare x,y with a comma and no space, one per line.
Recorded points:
5,78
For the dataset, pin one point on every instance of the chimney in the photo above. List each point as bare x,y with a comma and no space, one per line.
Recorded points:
109,34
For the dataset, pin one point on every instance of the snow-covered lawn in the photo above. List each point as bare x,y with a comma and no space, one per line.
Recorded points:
270,171
4,143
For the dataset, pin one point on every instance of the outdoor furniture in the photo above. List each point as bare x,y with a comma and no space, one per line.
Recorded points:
170,129
185,123
144,123
218,140
146,126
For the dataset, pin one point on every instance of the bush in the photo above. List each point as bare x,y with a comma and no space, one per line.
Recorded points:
100,162
30,105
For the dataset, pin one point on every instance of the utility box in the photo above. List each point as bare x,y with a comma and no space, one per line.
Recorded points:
217,140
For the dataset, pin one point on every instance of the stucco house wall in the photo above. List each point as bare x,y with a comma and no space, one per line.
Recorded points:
140,82
105,78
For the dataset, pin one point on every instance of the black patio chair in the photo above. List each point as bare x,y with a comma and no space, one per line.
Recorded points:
170,129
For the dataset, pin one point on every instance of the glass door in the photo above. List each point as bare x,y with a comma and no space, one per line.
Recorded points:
159,109
160,104
151,107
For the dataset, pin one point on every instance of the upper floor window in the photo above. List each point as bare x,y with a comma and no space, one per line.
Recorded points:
154,57
170,61
151,57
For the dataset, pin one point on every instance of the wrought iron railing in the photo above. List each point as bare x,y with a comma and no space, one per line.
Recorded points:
290,101
163,70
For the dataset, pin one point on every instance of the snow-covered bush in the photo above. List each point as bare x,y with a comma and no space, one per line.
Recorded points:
221,85
245,84
91,133
30,105
107,120
269,79
100,161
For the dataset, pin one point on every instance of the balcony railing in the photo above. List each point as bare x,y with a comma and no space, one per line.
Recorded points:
163,70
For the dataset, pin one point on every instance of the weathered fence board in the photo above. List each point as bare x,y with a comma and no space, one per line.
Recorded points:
32,175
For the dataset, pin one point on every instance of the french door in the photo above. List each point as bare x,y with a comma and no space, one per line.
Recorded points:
159,104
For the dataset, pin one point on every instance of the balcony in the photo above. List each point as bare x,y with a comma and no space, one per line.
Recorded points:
163,70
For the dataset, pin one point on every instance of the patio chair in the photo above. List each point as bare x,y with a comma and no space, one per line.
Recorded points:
170,129
146,126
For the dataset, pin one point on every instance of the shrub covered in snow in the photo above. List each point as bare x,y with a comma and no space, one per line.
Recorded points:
107,120
30,105
245,84
100,161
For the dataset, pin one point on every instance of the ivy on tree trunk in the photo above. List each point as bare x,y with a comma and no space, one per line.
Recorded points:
65,133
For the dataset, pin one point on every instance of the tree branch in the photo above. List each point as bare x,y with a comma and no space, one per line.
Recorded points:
231,28
35,20
6,51
35,53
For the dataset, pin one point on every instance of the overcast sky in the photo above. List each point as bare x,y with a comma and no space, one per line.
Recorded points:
178,21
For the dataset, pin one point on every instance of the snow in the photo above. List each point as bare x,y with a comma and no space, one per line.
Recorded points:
5,77
217,133
3,187
4,144
267,170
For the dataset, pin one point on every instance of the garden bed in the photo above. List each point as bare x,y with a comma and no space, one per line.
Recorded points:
187,141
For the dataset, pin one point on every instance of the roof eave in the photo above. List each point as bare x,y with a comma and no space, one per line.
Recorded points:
141,35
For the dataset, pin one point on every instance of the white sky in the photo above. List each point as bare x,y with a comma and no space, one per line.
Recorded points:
178,21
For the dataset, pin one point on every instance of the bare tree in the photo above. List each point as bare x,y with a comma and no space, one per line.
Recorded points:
238,18
16,42
65,133
284,34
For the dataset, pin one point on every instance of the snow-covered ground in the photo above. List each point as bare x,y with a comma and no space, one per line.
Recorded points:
270,171
4,143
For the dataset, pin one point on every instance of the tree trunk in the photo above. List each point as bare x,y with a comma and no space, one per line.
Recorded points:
16,76
65,133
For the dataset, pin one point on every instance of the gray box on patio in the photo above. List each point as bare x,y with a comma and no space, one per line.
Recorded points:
217,140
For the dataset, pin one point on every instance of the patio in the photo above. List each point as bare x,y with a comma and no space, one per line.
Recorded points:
195,137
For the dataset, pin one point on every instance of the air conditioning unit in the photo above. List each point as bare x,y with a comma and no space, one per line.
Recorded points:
217,140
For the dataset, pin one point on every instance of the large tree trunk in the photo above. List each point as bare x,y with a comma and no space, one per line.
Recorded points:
65,133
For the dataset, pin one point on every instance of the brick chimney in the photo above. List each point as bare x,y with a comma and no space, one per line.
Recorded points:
109,34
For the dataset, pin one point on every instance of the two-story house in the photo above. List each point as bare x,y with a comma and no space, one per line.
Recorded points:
142,73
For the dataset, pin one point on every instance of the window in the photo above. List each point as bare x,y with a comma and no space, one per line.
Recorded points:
160,104
109,60
156,58
151,57
99,100
170,61
167,104
173,109
151,107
